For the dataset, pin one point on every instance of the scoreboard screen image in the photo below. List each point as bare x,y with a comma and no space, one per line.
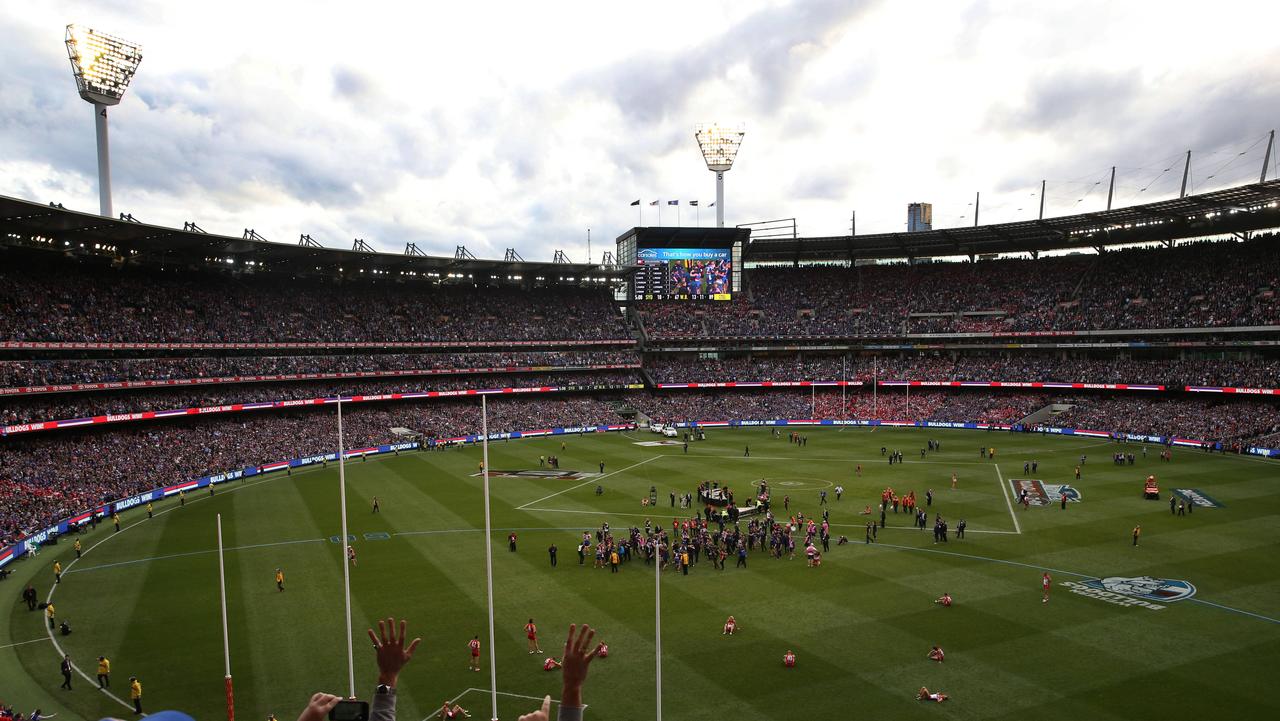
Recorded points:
683,274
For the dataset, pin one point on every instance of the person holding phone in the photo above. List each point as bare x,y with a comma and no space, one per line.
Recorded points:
392,653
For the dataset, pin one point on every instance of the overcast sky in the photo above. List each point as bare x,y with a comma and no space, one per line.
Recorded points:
496,125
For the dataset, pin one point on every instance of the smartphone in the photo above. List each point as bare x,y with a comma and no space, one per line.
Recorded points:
350,711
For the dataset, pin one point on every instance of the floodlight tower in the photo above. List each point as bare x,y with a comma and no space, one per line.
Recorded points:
103,65
719,146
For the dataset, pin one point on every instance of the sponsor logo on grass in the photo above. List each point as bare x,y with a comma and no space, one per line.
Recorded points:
1141,591
1040,493
561,475
1198,497
651,444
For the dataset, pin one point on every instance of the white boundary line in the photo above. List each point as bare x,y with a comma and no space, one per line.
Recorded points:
49,597
1000,476
24,643
590,481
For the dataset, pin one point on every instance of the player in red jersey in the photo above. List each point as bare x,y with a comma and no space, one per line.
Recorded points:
1045,580
730,626
454,711
924,695
603,651
531,632
789,659
945,600
936,654
550,664
351,555
474,645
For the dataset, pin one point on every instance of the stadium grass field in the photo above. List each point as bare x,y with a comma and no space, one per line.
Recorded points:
861,624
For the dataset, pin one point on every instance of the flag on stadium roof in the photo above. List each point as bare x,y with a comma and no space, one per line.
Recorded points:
713,204
673,202
635,202
654,203
693,203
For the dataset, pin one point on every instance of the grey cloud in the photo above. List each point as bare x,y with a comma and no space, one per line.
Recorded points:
351,84
649,89
822,185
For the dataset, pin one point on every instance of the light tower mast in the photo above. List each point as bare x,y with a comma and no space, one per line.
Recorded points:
103,65
719,146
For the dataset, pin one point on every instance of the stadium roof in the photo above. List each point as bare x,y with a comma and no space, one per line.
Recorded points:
1233,210
22,220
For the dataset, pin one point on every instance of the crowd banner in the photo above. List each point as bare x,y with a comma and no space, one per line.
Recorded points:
237,407
321,345
921,384
215,380
26,544
1237,391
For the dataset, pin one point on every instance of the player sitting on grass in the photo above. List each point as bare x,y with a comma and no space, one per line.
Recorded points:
730,627
455,711
936,654
924,695
578,652
603,651
789,659
945,600
551,664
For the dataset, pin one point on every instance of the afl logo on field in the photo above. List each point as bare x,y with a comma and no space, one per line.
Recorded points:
1159,590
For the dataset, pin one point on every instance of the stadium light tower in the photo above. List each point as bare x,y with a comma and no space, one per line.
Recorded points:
103,65
719,146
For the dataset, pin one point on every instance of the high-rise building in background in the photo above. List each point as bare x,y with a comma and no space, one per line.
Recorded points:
919,217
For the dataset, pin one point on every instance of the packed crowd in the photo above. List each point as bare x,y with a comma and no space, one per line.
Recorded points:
45,478
1205,419
1251,372
1195,285
26,373
683,406
77,302
1211,420
48,407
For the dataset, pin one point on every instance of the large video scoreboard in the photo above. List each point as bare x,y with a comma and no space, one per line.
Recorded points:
683,263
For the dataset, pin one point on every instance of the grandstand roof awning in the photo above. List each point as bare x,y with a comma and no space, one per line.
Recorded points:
1233,210
153,242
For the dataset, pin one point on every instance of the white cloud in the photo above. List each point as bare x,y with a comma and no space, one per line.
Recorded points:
500,125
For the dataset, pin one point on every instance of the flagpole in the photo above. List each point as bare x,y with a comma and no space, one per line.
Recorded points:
346,564
226,638
488,557
659,212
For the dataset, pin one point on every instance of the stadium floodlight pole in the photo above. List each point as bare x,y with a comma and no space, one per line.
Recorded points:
488,555
103,65
226,638
719,146
346,564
